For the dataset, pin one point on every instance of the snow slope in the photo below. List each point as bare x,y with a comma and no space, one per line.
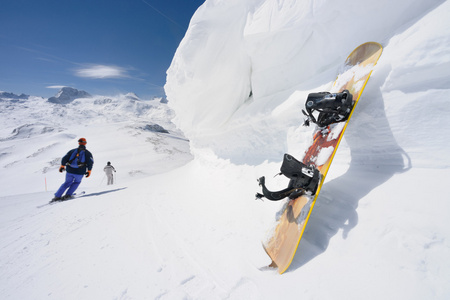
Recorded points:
177,226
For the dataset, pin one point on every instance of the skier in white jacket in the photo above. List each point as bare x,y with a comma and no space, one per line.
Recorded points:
109,169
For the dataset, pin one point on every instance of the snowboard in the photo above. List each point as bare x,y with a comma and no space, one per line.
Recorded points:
284,241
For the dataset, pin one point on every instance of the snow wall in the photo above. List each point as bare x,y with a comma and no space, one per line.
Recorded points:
240,76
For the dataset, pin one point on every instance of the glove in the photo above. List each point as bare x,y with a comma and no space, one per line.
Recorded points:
88,173
61,169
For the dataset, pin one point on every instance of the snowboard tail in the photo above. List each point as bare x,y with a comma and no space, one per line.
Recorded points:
283,244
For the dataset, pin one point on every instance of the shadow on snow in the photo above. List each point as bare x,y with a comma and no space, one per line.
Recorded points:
371,165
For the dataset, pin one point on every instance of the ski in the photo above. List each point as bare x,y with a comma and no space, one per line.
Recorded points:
74,196
330,112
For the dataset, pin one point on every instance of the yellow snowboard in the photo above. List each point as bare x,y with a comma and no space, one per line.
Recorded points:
283,244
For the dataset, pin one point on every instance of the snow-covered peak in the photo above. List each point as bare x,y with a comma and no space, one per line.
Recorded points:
132,96
67,95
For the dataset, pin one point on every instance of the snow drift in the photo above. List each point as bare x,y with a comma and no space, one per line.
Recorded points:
254,67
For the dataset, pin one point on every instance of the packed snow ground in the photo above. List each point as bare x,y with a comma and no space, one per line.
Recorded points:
181,221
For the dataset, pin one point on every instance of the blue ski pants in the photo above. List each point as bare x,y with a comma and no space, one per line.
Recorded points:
72,182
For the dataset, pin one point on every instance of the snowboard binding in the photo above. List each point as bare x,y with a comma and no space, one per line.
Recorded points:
303,179
329,108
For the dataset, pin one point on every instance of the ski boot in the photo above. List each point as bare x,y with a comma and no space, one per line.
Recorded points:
67,197
56,199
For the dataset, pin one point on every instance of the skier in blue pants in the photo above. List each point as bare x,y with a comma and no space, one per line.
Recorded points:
77,162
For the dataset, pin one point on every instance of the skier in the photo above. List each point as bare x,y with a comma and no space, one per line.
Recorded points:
76,161
109,172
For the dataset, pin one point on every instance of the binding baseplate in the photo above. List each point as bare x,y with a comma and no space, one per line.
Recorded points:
326,108
303,179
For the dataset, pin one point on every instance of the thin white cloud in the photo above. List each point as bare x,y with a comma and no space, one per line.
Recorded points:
101,72
55,86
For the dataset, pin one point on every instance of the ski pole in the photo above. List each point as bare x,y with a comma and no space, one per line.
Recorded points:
102,180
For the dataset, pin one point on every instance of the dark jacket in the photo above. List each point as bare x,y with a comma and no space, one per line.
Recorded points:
78,165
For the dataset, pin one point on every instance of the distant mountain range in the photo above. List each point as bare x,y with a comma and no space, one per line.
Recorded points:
7,95
27,116
67,95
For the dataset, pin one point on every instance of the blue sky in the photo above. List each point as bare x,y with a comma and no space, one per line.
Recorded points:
104,47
